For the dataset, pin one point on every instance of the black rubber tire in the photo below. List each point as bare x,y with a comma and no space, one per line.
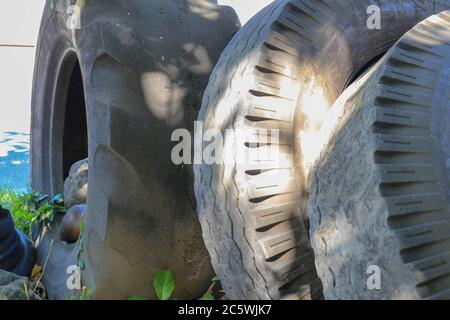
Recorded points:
291,59
380,194
144,66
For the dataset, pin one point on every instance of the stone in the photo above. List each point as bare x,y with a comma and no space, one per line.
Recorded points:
58,257
14,287
76,184
70,228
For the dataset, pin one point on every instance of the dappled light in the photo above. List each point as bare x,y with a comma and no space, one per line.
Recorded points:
203,9
230,149
164,100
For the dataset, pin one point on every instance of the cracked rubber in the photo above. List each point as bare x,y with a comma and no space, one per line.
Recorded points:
144,66
282,70
380,193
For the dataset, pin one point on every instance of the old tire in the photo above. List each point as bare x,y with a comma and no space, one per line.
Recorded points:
281,71
380,193
113,91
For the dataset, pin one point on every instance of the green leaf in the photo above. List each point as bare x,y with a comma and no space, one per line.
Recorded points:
81,264
43,208
58,199
207,296
38,198
82,224
164,284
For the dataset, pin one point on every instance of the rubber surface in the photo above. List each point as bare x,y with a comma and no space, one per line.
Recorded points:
282,70
144,66
380,194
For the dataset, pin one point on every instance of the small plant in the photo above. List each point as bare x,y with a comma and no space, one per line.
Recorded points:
80,247
7,196
208,295
83,296
164,285
29,208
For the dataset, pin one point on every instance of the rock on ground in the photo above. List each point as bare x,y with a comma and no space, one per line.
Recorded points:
14,287
76,184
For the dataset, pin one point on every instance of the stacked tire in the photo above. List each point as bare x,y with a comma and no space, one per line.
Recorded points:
382,186
378,167
354,186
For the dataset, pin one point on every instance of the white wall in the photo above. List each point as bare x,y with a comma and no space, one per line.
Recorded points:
19,21
245,9
19,26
